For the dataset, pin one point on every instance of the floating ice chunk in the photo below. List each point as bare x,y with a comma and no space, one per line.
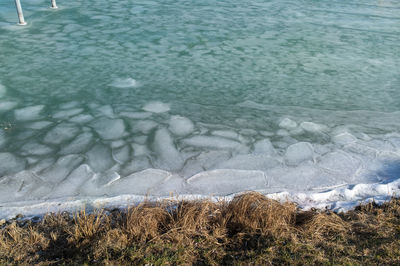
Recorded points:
99,158
344,138
135,165
60,133
212,142
313,127
226,134
139,150
249,162
303,177
341,163
42,165
10,164
141,183
71,185
264,147
3,90
180,126
225,181
144,126
121,155
267,133
106,110
26,134
157,107
248,132
38,125
288,124
282,132
3,138
19,186
168,156
69,105
7,105
62,168
109,128
28,113
299,152
136,115
67,113
124,83
82,118
79,144
117,144
204,161
296,131
140,139
35,149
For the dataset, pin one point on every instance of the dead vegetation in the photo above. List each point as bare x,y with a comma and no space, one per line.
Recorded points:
249,229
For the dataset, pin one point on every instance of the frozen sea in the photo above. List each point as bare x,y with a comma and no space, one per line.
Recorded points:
105,103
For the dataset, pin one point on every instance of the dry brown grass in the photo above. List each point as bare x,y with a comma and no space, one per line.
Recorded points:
249,229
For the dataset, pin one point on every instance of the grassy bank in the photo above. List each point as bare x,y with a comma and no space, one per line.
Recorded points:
249,229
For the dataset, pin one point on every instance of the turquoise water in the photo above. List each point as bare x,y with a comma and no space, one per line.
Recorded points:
228,71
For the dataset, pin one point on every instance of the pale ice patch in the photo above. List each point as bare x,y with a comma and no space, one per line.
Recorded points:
35,149
313,127
99,158
125,83
122,154
249,162
299,152
38,125
105,110
230,134
143,126
140,183
60,133
264,146
10,164
67,113
287,123
81,118
79,144
3,138
156,107
109,129
28,113
7,105
168,156
341,163
180,126
212,142
344,138
3,90
71,185
136,115
62,168
225,181
139,149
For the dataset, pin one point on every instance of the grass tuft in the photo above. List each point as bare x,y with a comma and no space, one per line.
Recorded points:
251,228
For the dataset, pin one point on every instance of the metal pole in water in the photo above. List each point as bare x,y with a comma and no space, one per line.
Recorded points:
20,14
53,4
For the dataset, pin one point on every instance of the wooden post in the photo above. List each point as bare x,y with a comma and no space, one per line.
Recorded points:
20,14
53,4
